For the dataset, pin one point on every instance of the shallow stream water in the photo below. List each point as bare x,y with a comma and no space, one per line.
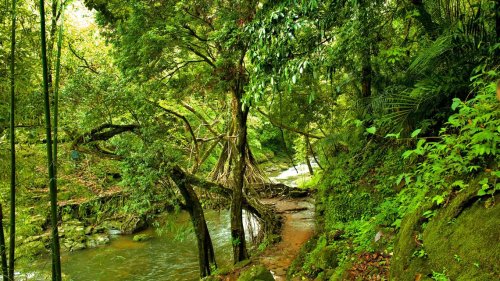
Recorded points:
168,256
171,255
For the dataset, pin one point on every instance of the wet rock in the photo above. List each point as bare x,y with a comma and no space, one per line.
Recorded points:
78,246
133,224
298,193
212,278
71,245
97,240
127,225
114,231
72,231
33,248
142,237
99,229
256,273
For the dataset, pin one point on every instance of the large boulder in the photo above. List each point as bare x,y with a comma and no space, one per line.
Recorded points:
256,273
460,242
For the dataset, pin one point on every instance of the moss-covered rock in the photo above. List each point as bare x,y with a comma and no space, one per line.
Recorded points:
142,237
461,241
129,224
256,273
97,239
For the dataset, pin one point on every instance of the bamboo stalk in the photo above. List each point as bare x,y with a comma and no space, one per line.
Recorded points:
12,234
56,259
56,87
3,254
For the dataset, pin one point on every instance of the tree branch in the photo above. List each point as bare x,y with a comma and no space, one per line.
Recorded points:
201,117
193,33
188,126
179,67
201,55
102,133
286,127
87,64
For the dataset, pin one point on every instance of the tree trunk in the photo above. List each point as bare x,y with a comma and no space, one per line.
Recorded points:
311,151
425,18
51,42
206,255
308,152
366,75
240,115
497,18
366,61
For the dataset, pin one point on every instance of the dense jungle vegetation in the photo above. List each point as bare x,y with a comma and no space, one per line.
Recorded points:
119,116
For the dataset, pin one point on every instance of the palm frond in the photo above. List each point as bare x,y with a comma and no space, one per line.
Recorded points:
428,58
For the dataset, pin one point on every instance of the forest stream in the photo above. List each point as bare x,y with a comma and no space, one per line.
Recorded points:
171,254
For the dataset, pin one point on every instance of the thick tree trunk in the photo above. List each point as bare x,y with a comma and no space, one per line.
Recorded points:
366,75
240,115
206,255
265,213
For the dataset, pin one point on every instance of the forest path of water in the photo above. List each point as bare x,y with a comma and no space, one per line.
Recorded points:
298,227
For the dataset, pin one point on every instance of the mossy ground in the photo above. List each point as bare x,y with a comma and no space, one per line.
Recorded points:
461,241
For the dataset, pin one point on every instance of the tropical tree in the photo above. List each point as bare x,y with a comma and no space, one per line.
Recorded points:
185,46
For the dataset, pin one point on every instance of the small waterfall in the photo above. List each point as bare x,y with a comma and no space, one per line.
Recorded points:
293,175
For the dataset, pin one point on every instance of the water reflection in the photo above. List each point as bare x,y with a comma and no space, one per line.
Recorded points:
161,258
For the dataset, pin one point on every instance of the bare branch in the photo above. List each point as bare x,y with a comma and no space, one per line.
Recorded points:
87,64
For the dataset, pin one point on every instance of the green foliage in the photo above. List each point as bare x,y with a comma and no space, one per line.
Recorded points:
364,86
468,145
440,276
